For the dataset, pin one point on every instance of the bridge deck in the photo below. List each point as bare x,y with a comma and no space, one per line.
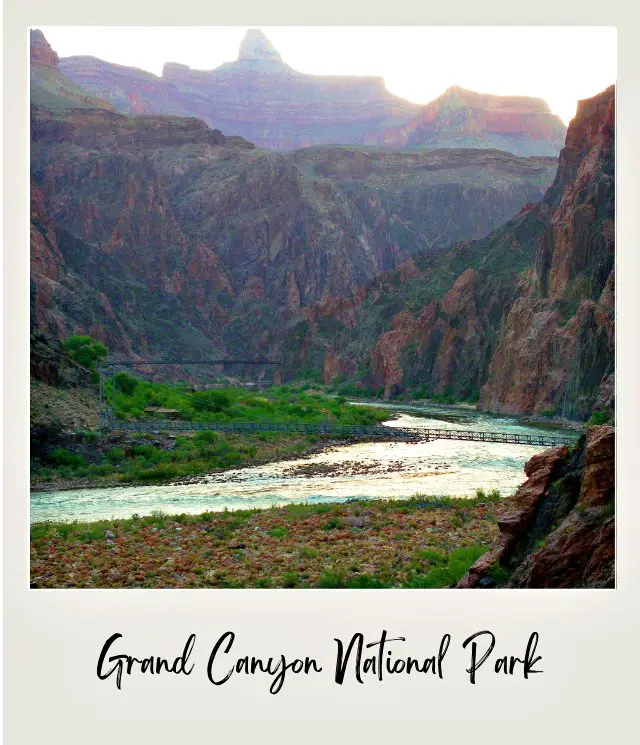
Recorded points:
371,431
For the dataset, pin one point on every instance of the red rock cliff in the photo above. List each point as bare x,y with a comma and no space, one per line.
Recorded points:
556,349
41,51
560,529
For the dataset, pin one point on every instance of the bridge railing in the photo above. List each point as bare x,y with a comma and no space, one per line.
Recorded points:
382,431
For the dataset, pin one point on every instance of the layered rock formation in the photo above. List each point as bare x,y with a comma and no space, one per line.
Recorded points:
416,201
523,318
157,231
263,99
462,118
560,529
258,97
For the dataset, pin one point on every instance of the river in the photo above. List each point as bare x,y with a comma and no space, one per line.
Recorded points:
378,470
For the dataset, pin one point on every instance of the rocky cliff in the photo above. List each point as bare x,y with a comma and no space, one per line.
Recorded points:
522,319
41,51
560,528
555,350
152,232
462,118
416,201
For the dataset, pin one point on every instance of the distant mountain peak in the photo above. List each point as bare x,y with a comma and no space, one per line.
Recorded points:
458,96
256,47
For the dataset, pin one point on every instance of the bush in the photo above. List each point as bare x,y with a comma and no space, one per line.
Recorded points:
207,436
211,400
115,455
290,579
62,457
598,417
161,472
85,351
125,383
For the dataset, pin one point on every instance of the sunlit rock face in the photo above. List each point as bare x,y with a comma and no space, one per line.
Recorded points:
463,118
260,97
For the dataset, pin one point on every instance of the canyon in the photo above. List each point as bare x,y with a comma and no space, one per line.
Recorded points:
153,228
468,272
462,250
521,320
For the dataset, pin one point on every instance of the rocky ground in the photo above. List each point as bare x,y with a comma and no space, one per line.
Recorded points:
367,544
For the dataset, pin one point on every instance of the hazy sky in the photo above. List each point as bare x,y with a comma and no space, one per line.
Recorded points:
560,65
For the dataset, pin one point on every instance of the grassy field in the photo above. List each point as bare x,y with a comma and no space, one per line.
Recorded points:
421,542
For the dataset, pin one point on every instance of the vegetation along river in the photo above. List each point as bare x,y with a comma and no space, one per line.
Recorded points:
378,470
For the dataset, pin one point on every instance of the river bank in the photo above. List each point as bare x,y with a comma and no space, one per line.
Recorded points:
279,448
416,543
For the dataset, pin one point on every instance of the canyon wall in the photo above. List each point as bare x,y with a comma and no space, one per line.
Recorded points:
258,96
522,320
555,350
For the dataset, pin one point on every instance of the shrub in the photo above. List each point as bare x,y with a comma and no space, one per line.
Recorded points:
62,457
290,579
598,417
125,383
207,436
115,455
332,524
331,580
85,351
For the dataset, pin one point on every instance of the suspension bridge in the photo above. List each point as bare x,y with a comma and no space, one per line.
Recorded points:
109,421
326,428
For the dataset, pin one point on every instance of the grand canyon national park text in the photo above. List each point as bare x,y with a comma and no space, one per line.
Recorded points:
357,658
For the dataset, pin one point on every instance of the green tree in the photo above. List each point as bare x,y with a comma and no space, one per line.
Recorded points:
86,352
